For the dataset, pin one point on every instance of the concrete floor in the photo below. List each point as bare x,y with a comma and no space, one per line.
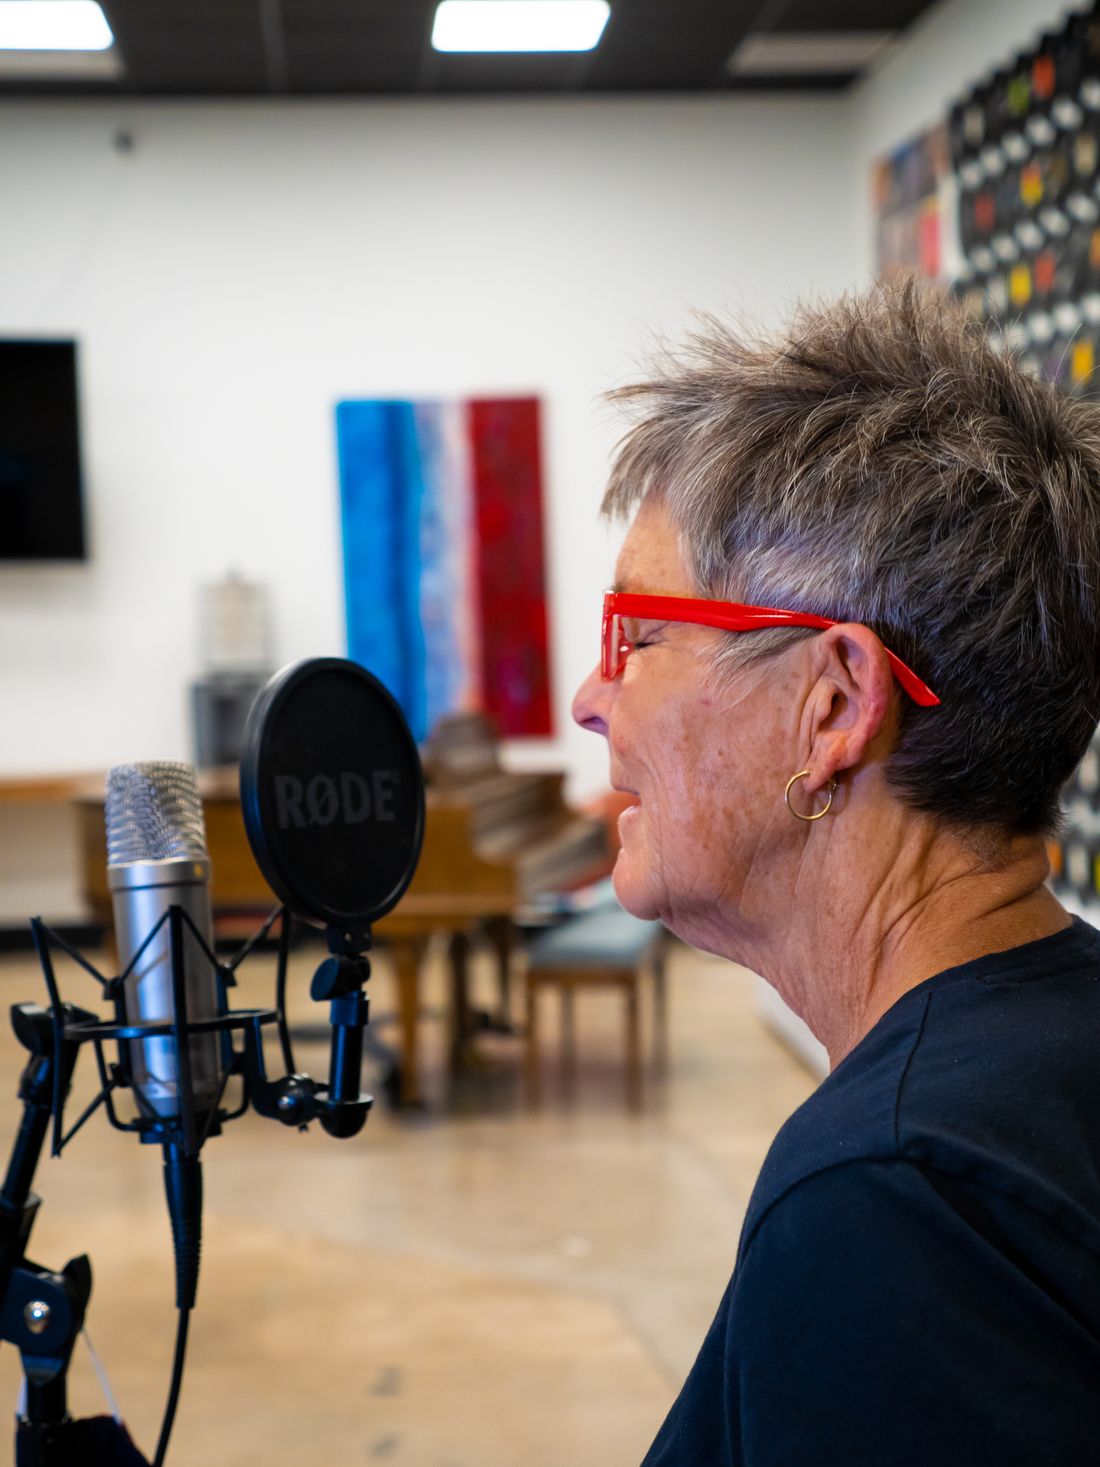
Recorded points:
473,1286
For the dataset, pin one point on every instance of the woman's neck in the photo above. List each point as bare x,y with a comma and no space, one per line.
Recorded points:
876,914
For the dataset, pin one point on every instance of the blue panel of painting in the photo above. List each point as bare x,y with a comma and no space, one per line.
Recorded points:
381,489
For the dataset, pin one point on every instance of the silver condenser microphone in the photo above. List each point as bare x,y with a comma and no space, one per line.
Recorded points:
156,858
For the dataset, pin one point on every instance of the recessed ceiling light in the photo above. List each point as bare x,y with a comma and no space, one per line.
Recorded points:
53,25
790,53
519,25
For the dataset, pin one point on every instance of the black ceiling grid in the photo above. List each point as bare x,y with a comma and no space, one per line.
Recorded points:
236,48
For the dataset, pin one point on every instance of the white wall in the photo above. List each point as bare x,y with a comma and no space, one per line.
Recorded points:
247,265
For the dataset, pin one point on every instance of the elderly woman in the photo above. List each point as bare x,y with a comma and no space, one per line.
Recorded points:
852,653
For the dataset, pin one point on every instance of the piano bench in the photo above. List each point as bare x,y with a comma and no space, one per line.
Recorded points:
605,947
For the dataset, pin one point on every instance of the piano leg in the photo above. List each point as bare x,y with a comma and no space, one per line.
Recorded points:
461,1022
501,933
660,1002
408,954
532,1071
633,1049
568,1043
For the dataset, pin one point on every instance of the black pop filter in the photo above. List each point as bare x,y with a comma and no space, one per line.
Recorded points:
332,792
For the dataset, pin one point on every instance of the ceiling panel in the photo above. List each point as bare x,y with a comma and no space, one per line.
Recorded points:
650,43
207,45
354,45
846,15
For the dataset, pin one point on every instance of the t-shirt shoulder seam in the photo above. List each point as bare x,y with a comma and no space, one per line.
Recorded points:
978,1184
917,1037
832,1166
927,1170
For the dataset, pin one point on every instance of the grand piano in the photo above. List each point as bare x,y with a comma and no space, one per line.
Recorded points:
496,845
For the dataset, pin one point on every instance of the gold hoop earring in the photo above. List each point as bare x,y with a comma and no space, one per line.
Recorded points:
802,773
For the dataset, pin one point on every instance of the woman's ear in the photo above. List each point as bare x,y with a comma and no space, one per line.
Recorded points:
850,703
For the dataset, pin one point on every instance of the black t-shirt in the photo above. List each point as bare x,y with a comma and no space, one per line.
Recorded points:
918,1278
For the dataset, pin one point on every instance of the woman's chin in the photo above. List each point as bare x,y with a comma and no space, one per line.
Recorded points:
631,890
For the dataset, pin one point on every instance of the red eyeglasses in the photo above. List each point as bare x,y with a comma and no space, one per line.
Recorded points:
729,616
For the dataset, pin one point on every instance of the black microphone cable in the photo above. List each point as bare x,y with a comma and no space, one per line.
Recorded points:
183,1188
174,1389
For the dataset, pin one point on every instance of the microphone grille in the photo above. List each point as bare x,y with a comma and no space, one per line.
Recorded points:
154,813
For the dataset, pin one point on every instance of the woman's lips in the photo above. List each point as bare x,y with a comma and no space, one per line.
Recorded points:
628,817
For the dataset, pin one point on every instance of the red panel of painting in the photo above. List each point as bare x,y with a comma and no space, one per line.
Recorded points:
507,479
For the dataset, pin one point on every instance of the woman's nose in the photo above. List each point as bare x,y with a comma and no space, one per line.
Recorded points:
592,701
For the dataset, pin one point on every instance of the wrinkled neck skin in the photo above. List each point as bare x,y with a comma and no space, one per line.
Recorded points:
845,915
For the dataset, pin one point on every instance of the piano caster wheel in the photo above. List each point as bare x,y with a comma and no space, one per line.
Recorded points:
487,1023
391,1086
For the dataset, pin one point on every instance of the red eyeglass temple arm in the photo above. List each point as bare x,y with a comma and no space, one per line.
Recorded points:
910,683
733,617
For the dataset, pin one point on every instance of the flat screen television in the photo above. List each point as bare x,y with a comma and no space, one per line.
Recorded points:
41,489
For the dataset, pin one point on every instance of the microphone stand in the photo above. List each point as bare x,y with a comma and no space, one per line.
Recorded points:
41,1312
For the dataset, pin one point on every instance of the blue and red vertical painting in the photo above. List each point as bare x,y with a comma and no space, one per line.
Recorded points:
443,557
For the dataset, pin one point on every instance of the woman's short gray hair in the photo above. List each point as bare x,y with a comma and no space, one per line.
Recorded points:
880,462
